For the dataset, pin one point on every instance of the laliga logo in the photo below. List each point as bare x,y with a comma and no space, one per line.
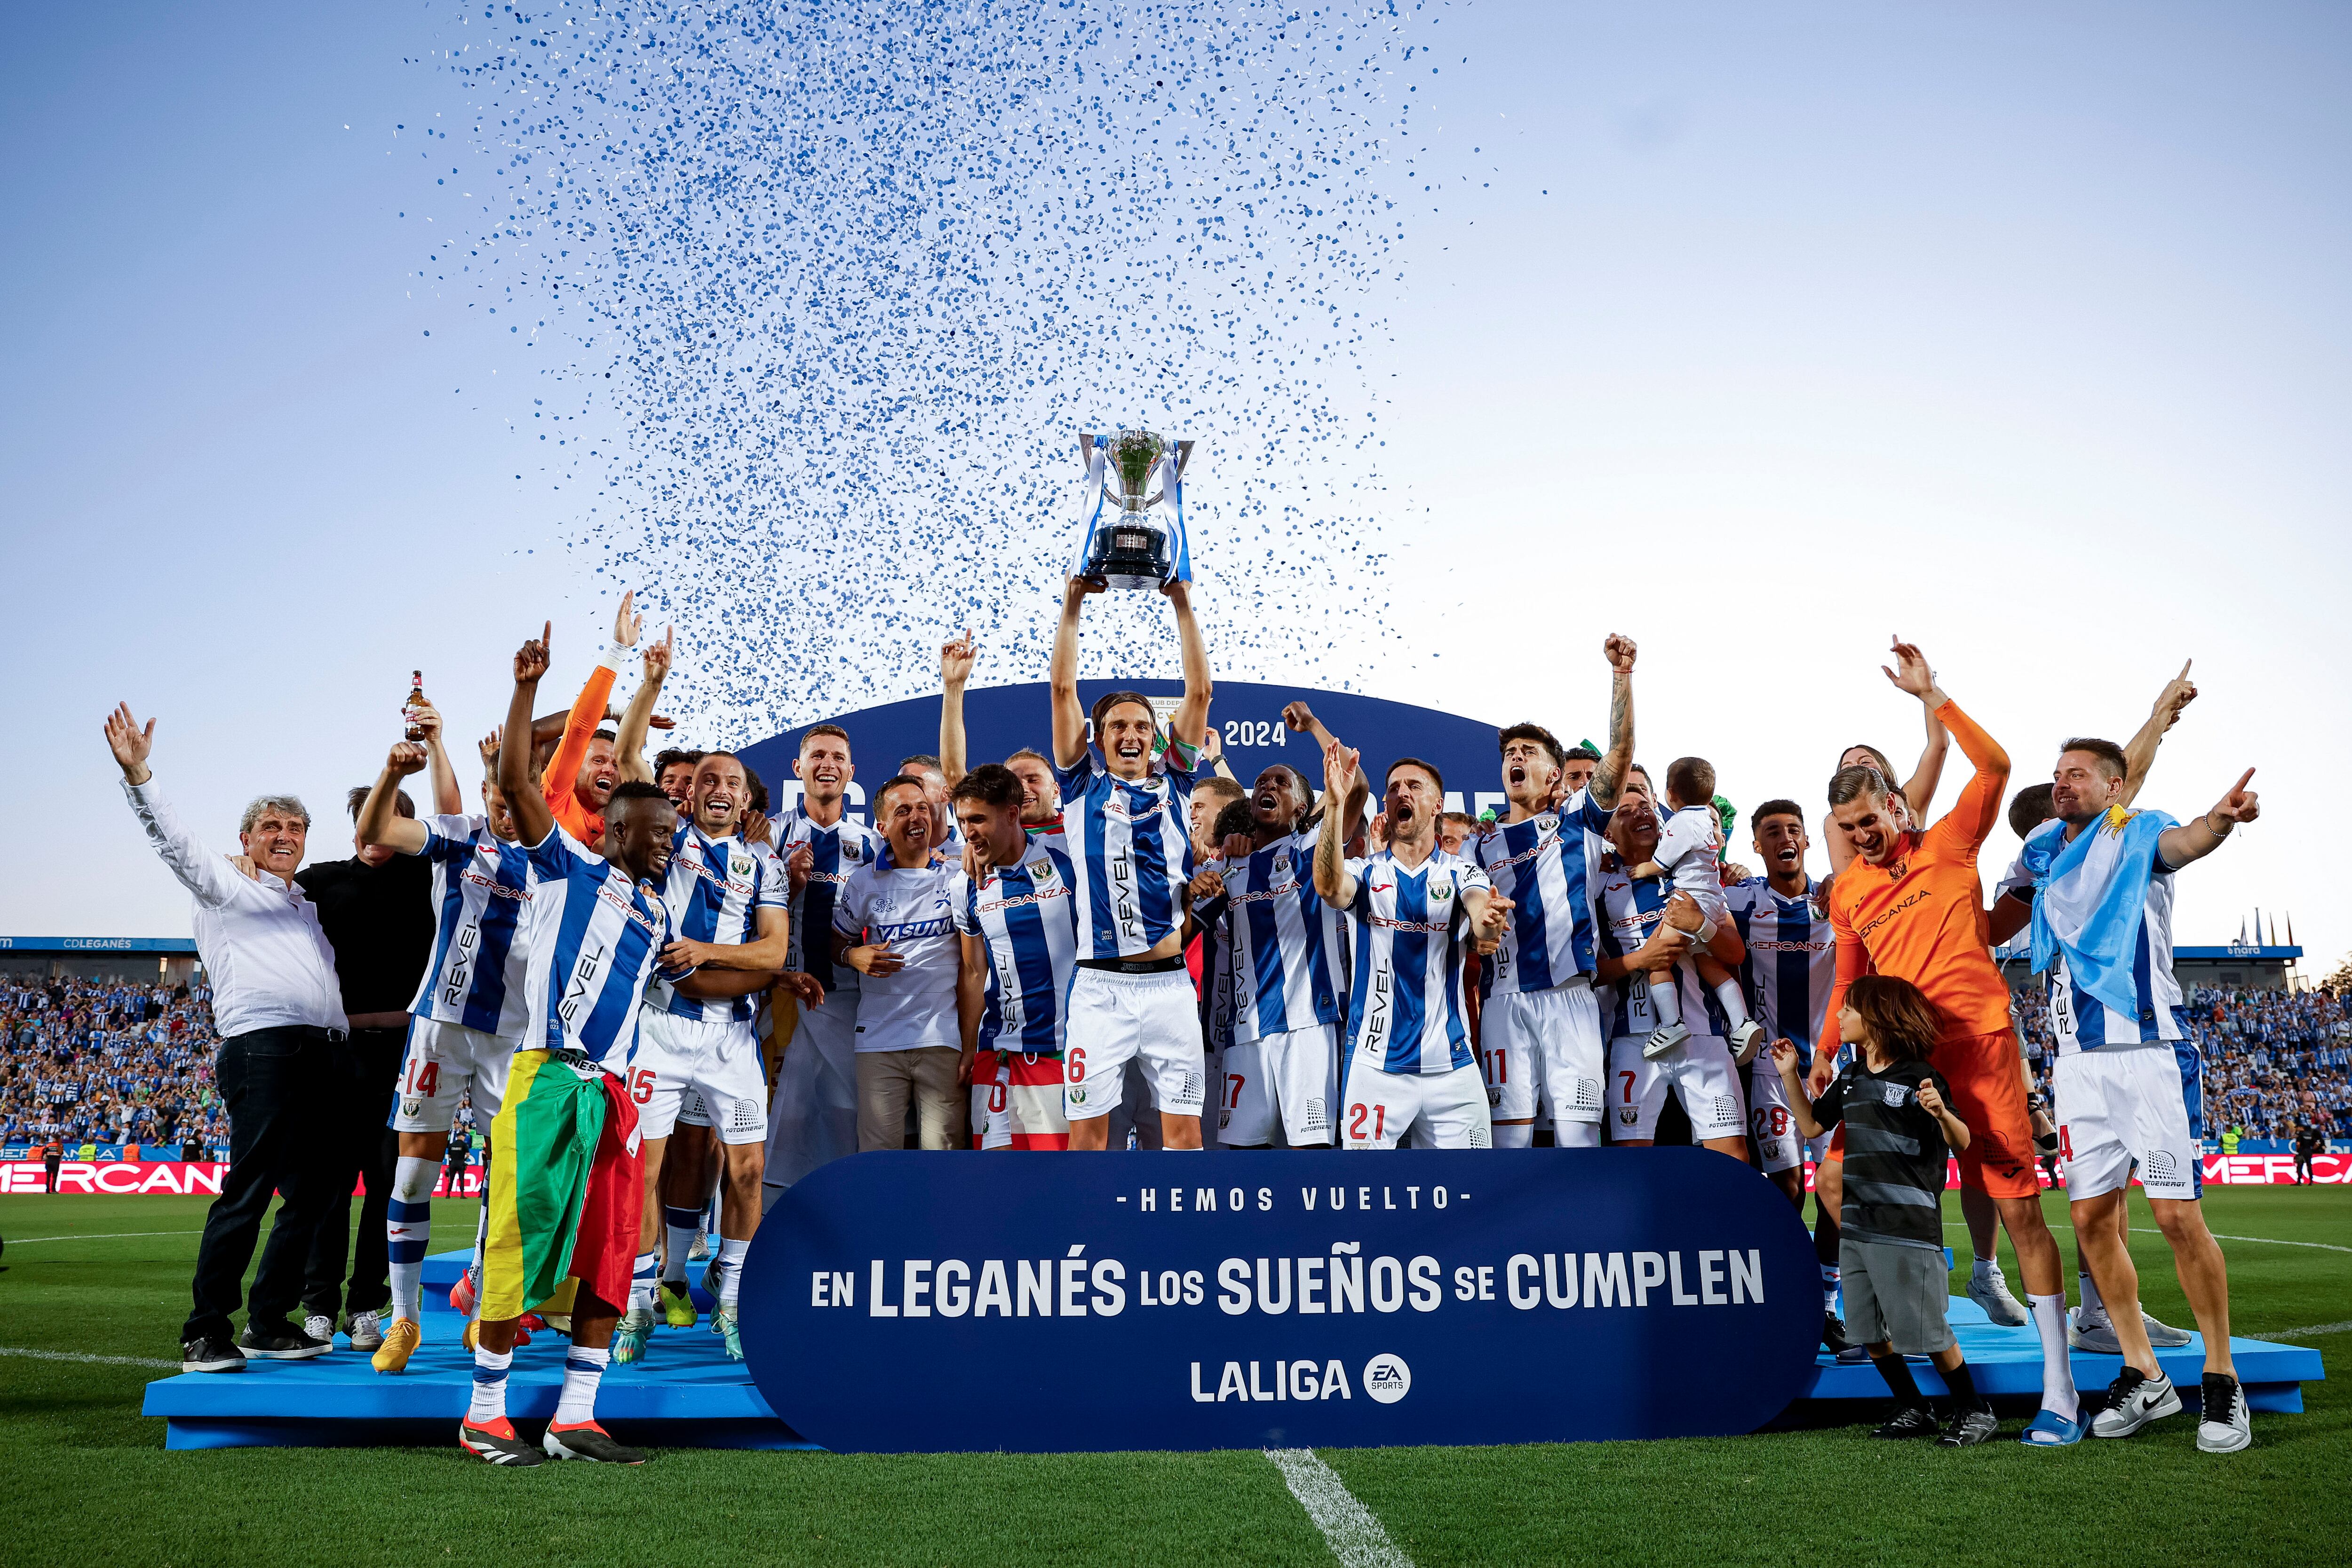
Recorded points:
1387,1378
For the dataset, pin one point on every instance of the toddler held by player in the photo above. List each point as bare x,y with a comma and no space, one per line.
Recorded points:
1690,846
1891,1253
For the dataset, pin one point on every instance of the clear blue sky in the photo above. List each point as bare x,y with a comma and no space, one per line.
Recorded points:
2022,331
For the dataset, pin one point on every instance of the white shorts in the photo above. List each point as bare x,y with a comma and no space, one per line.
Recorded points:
814,1118
1699,1072
1544,1048
716,1064
442,1063
1448,1110
991,1104
2122,1104
1294,1075
1118,1019
1780,1147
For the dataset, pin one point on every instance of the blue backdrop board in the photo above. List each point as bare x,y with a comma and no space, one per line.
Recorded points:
1305,1298
1000,720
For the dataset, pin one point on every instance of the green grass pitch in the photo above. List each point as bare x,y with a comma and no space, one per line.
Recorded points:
87,1479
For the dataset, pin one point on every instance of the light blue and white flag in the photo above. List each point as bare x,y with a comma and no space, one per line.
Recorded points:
1099,513
2089,896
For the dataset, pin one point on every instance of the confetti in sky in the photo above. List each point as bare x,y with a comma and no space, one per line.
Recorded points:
832,289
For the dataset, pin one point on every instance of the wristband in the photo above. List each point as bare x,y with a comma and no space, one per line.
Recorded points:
613,654
1704,934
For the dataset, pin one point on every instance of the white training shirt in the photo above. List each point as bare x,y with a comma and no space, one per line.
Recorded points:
913,910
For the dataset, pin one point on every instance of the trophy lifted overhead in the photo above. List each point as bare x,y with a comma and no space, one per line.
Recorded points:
1133,549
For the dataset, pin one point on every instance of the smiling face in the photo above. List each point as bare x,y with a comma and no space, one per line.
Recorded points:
1782,841
637,835
1126,736
1040,799
275,842
1871,824
720,790
823,768
598,774
904,815
1633,829
676,781
998,828
1527,774
2080,787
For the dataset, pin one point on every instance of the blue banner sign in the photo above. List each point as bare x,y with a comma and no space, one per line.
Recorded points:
903,1302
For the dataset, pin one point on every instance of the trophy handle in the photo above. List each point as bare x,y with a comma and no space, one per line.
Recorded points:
1085,445
1183,455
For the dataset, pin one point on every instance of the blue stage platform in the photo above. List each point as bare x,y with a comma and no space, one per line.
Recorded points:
688,1395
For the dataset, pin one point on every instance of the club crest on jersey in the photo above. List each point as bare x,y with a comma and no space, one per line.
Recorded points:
1441,892
1895,1093
740,865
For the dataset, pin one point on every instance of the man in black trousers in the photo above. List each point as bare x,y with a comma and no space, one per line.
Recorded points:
279,1012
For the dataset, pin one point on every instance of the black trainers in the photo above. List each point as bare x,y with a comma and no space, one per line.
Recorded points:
284,1342
1833,1338
1912,1421
1968,1429
496,1442
211,1352
587,1441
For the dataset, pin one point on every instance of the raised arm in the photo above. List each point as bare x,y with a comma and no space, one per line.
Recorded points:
534,819
204,874
629,740
1070,714
1609,775
588,708
1972,816
1190,723
1919,790
2139,755
956,659
380,819
2194,841
1343,775
448,797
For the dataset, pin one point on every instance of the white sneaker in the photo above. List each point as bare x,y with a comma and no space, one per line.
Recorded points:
366,1332
1989,1290
318,1325
2095,1334
2164,1336
2225,1427
1744,1042
2132,1401
1664,1039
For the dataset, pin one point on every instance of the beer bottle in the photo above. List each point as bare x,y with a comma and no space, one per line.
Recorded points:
415,700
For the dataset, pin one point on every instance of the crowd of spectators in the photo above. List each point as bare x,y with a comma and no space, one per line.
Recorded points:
109,1061
2275,1061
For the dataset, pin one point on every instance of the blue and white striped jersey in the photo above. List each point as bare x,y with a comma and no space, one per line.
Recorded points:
1791,958
1028,915
1543,866
1280,940
595,937
713,893
1404,1014
1630,911
2082,1021
481,897
838,850
1131,850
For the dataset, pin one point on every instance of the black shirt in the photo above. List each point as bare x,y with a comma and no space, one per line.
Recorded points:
379,921
1896,1159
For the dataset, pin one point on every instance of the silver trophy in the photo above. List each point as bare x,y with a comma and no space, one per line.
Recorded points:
1135,550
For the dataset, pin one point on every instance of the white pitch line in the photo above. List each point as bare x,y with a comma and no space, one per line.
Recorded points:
103,1235
2266,1240
1349,1529
100,1360
2311,1333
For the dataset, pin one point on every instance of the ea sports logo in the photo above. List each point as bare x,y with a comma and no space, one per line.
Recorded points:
1387,1378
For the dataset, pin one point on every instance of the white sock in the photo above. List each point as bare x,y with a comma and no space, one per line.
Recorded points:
1576,1134
730,1269
2057,1373
1666,999
1830,1278
1515,1135
408,1230
641,1289
584,1369
679,1227
1735,1003
2093,1308
489,1385
1980,1266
